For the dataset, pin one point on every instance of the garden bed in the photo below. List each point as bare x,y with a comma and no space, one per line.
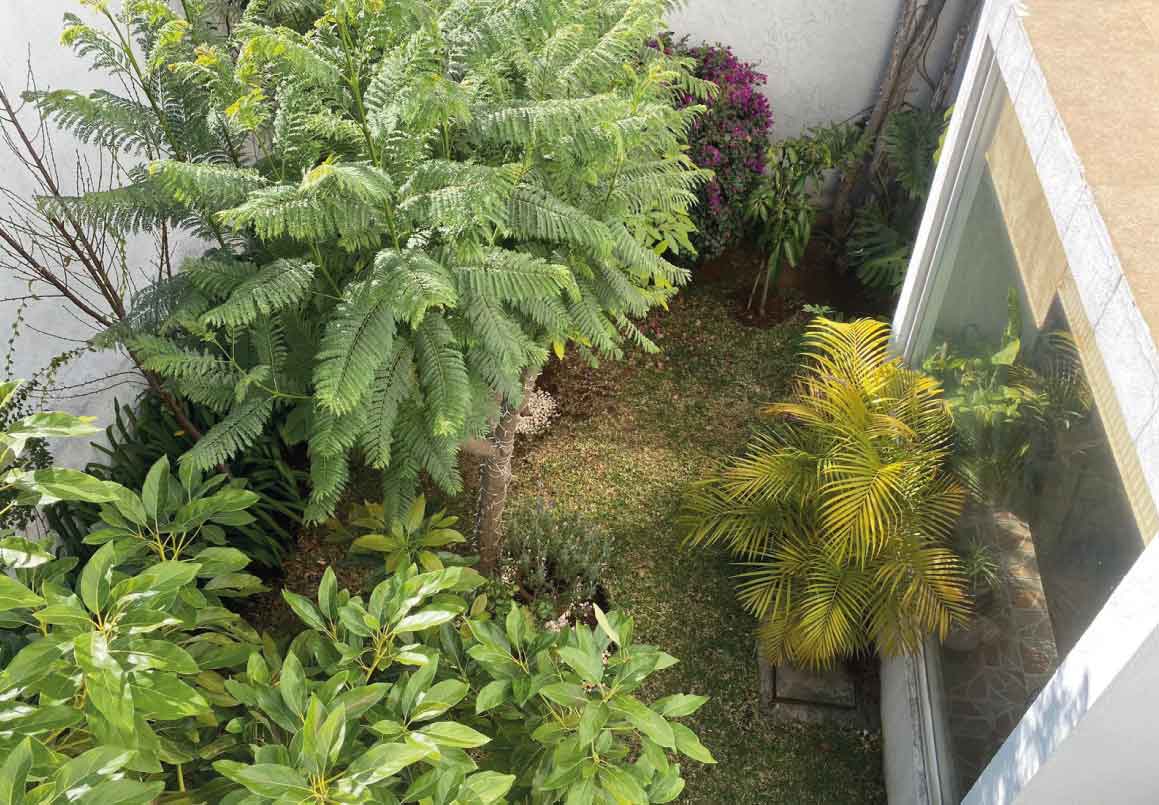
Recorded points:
631,436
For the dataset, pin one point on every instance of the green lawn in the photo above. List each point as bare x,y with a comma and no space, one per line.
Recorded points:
632,436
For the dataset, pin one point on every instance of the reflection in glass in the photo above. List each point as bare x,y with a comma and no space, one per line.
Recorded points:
1049,531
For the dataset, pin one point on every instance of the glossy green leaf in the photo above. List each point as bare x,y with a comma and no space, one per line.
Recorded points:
679,704
14,773
688,744
384,760
106,683
492,695
14,595
155,490
643,718
266,779
451,733
292,685
305,610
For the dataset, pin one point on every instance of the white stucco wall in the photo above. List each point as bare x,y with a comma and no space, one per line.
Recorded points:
824,58
30,34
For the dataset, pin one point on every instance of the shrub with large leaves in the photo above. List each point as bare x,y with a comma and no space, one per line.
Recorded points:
841,508
130,681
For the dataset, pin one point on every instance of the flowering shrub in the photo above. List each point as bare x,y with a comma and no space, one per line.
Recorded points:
730,139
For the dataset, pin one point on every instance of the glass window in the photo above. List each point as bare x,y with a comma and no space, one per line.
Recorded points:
1049,531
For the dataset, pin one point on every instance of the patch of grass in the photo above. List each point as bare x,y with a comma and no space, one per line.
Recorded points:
657,423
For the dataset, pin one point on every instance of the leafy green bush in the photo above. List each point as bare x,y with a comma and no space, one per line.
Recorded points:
842,508
136,684
556,553
783,205
137,439
413,538
884,227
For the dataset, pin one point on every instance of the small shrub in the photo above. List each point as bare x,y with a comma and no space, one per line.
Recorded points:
556,553
413,538
138,438
729,139
783,205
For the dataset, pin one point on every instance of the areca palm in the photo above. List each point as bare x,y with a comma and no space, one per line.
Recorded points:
840,509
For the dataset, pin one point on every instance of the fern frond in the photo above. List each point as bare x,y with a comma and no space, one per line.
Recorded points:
101,118
442,376
275,287
240,429
505,275
536,214
343,201
394,384
328,478
206,187
358,340
414,282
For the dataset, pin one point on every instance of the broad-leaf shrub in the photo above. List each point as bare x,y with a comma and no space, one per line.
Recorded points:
784,205
130,681
729,139
412,537
138,436
842,507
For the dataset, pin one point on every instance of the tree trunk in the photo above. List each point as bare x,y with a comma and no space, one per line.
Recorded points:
495,477
917,24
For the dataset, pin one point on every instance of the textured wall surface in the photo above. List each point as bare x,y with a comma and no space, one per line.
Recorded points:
30,36
824,58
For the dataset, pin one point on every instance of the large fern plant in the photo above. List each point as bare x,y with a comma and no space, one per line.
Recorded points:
409,205
841,508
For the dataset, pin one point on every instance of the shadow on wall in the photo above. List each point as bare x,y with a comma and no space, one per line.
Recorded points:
1047,723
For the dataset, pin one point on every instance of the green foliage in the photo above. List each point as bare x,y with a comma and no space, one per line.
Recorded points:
435,199
884,227
841,508
1004,396
134,683
14,406
784,206
413,538
567,714
137,439
113,673
558,554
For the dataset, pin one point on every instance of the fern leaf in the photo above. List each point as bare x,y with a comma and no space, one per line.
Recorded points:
240,429
328,478
415,283
394,384
100,118
442,376
357,341
275,287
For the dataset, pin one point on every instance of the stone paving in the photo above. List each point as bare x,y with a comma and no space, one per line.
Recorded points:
993,670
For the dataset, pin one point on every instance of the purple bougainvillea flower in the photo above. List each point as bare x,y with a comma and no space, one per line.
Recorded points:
730,138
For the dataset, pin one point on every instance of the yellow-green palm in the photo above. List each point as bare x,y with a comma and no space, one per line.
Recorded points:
841,508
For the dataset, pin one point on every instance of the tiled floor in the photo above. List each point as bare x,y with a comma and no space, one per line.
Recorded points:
992,673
